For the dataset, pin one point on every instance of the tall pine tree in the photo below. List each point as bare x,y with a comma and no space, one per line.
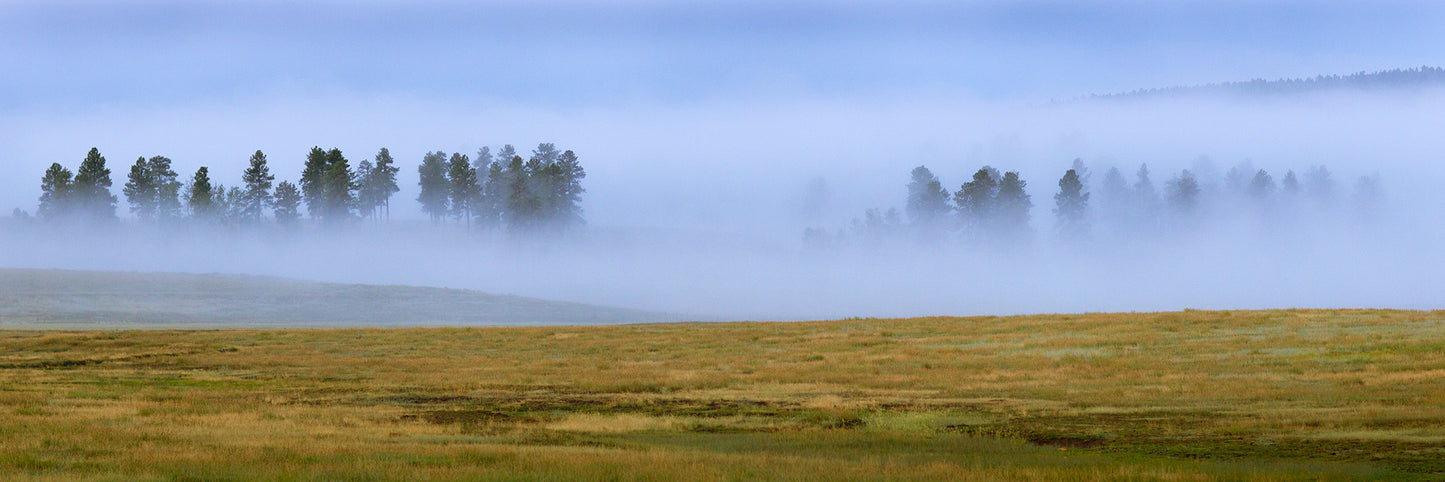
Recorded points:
383,174
523,206
257,194
338,191
56,198
569,188
201,196
366,199
975,200
434,186
1071,207
313,182
92,188
927,199
167,188
1013,205
463,187
288,203
141,191
1183,195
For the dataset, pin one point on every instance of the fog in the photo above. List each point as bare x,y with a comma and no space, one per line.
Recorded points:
710,149
701,209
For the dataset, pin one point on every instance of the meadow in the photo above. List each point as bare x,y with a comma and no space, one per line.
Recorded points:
46,299
1193,395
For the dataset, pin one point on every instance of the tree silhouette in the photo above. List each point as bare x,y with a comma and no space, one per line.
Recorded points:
1071,206
91,188
257,195
1013,205
464,190
434,189
288,203
927,200
201,196
55,193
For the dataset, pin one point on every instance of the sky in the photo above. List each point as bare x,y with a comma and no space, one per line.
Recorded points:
206,83
712,119
75,56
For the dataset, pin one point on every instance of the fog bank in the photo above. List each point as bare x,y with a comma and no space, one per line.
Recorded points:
701,209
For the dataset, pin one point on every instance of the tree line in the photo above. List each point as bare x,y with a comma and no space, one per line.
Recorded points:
543,191
1412,78
994,207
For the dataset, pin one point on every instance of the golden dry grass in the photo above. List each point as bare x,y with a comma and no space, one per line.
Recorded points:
1195,395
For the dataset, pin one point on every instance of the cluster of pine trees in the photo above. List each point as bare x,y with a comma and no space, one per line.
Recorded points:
995,207
330,190
543,191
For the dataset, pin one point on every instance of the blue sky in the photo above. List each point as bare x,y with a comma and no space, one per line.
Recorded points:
78,54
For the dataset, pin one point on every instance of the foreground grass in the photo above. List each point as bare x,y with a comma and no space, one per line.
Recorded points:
1271,395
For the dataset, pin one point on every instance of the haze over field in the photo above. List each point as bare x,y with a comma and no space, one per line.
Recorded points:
714,136
59,299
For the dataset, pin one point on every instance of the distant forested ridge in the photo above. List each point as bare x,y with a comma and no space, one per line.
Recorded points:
502,191
1383,80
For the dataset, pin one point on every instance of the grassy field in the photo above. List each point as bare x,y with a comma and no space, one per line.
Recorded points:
1252,395
63,299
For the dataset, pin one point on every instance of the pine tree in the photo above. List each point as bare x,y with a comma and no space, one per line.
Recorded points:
505,183
495,192
201,196
975,200
505,154
1144,186
487,209
236,206
927,200
257,195
1290,184
367,200
1083,172
1183,193
877,227
1261,187
167,188
383,181
1115,188
92,188
569,188
1237,180
523,207
221,204
548,183
1144,208
1071,206
313,182
288,203
434,187
463,189
546,153
484,159
1013,205
55,193
141,191
537,189
339,186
